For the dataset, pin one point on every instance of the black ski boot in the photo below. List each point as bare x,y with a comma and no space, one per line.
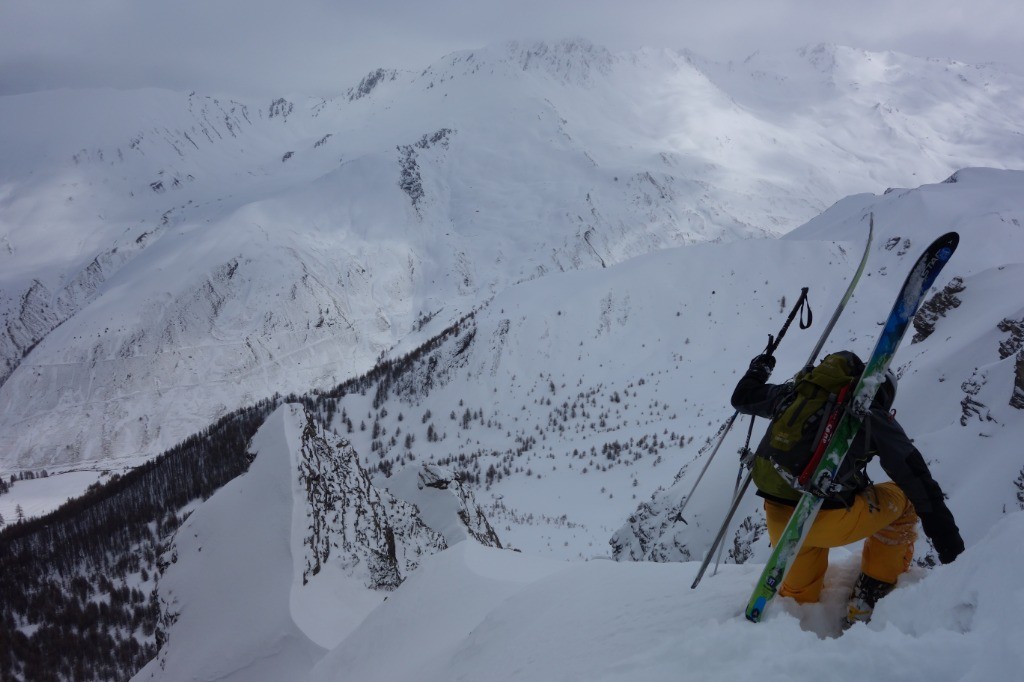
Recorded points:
866,593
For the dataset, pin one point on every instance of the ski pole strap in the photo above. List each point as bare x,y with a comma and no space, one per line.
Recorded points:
806,316
802,306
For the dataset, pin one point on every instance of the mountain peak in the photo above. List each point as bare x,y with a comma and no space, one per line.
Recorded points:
570,60
176,224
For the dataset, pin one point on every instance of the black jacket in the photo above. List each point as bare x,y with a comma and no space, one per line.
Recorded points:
900,460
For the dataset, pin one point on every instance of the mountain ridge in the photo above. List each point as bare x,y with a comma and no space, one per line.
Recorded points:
363,234
567,402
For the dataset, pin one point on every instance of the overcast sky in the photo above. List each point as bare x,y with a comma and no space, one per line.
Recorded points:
321,47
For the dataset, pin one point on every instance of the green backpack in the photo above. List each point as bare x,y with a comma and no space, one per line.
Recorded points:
803,423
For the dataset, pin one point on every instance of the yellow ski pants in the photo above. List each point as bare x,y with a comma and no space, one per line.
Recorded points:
882,516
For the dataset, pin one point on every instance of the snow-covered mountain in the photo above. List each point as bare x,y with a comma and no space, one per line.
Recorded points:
447,238
294,551
166,258
567,399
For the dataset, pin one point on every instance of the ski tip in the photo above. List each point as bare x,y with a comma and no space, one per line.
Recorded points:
944,246
950,240
755,610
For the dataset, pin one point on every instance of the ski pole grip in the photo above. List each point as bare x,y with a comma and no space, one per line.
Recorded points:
801,303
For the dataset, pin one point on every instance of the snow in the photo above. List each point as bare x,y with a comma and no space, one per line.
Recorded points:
187,268
549,612
232,576
438,508
39,496
613,221
473,613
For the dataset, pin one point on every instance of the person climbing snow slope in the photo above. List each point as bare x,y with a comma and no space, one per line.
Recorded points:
884,515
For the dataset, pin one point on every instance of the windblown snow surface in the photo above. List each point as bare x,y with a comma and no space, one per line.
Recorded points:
613,223
562,612
477,613
166,258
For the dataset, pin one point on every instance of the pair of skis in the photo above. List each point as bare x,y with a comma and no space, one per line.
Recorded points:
916,286
920,279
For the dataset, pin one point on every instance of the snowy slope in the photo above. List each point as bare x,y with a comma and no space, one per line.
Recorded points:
166,258
231,602
286,560
575,399
566,402
478,614
473,612
956,386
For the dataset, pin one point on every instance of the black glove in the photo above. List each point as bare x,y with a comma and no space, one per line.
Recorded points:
761,367
940,528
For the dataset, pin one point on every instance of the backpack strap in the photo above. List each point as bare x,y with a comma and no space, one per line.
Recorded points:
834,408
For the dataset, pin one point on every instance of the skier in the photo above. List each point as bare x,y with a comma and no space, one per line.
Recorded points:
884,515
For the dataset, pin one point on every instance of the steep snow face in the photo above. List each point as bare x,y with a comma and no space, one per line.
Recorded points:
165,258
291,556
226,592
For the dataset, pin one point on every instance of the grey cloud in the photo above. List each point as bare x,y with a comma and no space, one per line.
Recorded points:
318,47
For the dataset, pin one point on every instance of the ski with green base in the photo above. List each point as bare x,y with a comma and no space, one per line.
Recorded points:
916,286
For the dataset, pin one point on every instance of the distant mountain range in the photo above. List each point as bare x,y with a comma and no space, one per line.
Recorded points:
289,350
166,258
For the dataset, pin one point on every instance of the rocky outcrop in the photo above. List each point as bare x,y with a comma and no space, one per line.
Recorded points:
1012,345
445,503
382,534
411,180
936,307
361,527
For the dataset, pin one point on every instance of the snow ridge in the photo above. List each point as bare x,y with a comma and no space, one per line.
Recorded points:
249,248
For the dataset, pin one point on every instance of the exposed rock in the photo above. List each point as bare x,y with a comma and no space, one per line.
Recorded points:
1019,483
749,532
971,406
370,82
281,107
444,503
1017,399
411,180
651,533
352,522
935,307
381,533
1014,344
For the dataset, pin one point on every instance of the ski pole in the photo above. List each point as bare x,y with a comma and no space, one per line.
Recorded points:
773,343
723,430
801,303
738,497
721,531
746,461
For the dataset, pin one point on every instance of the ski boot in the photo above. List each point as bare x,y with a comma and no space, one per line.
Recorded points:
866,593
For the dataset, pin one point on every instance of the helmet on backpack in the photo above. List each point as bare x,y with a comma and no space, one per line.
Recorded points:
887,391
